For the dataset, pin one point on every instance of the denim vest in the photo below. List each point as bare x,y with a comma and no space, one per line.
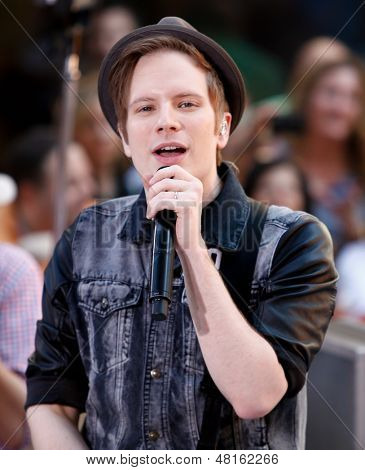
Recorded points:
145,377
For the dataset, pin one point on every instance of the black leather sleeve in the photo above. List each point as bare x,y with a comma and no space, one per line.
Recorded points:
298,302
55,373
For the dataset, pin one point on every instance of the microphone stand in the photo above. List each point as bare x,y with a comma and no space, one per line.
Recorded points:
75,14
71,77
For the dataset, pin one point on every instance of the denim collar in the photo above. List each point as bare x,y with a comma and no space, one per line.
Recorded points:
223,219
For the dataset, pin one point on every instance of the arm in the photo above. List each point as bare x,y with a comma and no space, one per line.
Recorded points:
242,363
56,379
245,368
298,300
253,368
292,316
12,416
54,427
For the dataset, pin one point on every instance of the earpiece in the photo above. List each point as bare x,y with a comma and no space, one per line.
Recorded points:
224,128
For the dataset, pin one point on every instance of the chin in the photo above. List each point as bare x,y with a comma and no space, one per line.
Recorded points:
339,133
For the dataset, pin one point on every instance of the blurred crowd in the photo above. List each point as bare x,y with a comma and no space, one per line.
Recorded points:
304,149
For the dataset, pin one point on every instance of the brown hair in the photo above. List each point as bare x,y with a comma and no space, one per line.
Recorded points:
356,142
123,68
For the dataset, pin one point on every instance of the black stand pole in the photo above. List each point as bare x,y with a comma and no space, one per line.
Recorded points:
71,77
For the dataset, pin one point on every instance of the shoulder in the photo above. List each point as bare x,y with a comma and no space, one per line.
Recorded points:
287,217
13,257
291,223
304,249
94,229
20,274
96,216
13,252
293,239
112,206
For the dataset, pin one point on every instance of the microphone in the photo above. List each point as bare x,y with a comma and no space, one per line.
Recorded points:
162,263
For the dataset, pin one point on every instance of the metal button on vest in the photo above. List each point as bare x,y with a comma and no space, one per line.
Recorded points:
156,373
153,435
104,302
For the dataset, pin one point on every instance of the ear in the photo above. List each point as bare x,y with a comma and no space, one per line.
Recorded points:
224,130
123,136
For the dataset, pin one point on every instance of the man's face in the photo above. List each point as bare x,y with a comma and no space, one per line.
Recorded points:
78,191
170,117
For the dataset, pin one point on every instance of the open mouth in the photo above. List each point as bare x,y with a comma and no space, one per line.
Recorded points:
170,151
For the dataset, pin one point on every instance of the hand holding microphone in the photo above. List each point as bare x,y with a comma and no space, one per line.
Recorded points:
175,198
162,264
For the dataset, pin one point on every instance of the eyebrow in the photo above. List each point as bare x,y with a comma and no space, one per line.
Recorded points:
139,100
184,94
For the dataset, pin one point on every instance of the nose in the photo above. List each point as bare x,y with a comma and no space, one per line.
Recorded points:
167,120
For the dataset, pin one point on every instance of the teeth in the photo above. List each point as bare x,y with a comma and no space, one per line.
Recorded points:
168,148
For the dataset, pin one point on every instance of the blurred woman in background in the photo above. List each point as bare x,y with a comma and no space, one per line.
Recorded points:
264,129
331,149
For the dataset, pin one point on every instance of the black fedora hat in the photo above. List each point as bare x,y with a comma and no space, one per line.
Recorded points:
222,62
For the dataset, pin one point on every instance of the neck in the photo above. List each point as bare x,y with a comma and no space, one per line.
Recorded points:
211,189
322,155
325,148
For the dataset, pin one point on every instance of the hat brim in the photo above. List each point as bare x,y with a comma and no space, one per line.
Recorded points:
224,65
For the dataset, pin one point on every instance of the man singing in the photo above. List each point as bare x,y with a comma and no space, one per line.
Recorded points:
253,287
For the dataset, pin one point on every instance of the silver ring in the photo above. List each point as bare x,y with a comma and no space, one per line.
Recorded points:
176,195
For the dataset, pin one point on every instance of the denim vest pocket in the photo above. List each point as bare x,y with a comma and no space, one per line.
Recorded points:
108,309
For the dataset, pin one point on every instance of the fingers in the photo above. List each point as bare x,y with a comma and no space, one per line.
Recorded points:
167,185
167,200
173,171
182,192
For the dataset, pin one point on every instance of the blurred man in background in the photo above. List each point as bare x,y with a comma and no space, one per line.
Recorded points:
20,308
32,162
